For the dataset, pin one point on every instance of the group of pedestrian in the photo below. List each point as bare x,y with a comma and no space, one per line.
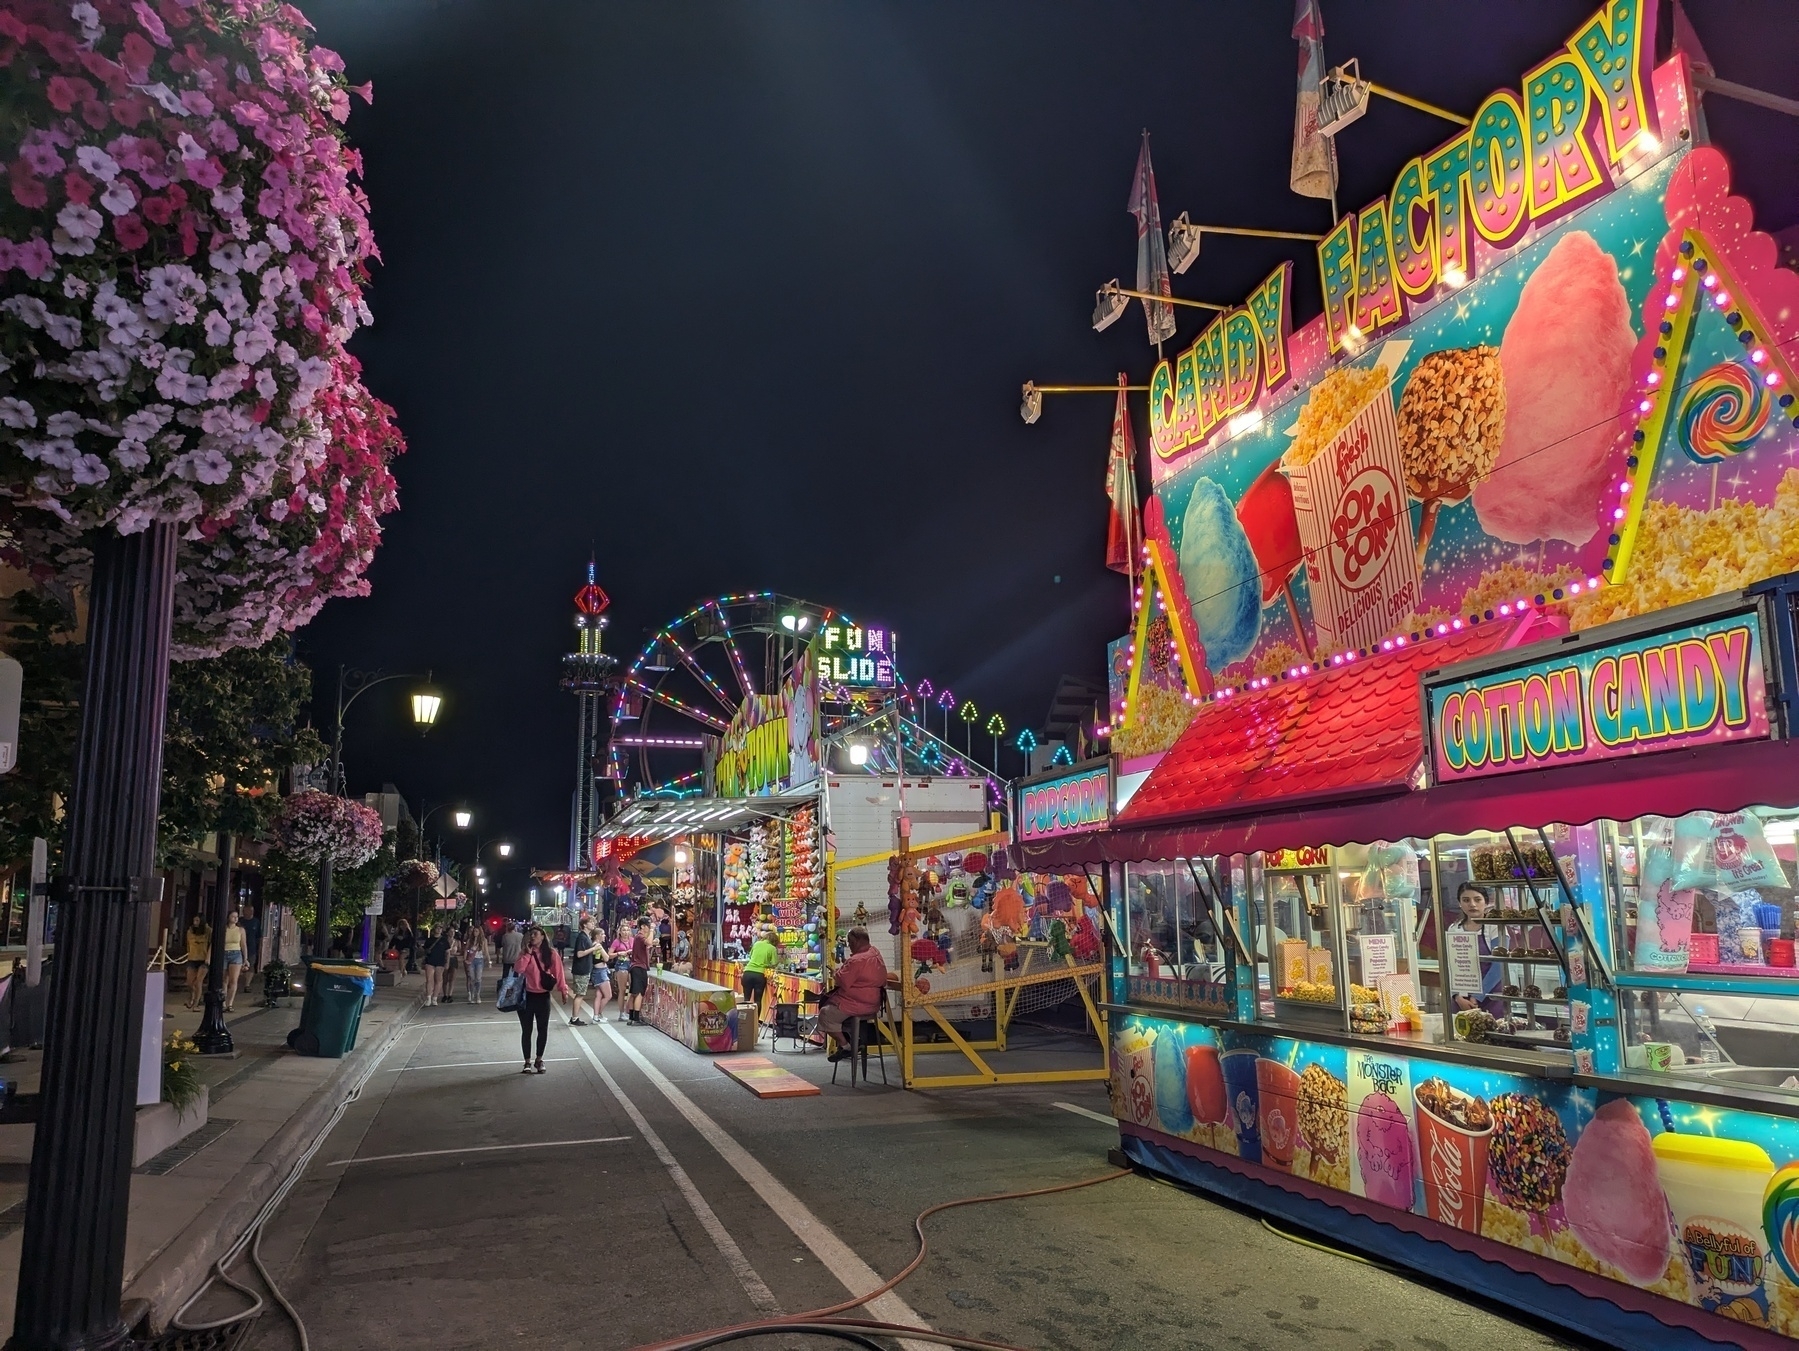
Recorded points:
453,948
197,941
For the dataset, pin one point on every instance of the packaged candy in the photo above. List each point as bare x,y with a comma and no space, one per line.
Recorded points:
1723,850
1739,935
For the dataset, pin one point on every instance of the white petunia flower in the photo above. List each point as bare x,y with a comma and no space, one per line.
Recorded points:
265,383
192,152
65,424
204,466
89,469
97,162
118,197
30,310
279,239
17,413
130,455
218,329
257,256
252,344
89,19
73,287
165,98
65,330
146,422
228,201
79,222
228,257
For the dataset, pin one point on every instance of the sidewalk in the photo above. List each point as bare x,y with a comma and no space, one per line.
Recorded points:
191,1202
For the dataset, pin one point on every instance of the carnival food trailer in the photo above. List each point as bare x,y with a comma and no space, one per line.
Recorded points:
1454,902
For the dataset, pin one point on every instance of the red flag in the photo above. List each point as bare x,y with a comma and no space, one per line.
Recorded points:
1124,530
1152,252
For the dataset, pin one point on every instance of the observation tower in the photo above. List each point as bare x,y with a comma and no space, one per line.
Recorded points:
589,674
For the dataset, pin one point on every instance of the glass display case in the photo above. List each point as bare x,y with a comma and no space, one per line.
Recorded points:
1702,912
1500,969
1174,935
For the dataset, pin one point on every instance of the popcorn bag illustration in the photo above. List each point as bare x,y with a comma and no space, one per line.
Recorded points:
1349,492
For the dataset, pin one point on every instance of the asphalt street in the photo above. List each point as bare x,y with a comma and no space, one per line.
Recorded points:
633,1192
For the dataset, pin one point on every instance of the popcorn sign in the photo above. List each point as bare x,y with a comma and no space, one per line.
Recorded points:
1081,800
1349,494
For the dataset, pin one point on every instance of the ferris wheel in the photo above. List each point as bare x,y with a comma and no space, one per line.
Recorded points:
692,676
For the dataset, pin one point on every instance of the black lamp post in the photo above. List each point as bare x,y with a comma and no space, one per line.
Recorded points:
427,703
462,816
72,1265
213,1036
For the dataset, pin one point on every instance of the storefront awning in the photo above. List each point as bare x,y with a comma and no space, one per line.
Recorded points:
1719,778
653,819
1346,731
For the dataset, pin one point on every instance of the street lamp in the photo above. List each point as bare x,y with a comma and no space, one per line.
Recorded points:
463,818
427,702
505,850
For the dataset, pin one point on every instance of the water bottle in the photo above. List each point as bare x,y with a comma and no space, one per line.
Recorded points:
1710,1053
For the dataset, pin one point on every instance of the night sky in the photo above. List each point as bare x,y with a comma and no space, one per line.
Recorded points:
740,296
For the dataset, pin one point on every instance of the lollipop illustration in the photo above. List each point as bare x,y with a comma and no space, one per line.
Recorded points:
1780,1219
1725,409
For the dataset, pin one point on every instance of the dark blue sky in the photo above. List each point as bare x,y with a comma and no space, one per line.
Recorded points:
740,296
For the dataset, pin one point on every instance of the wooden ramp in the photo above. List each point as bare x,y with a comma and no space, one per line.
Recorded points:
766,1079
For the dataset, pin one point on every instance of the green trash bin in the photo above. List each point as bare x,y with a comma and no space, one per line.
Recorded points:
332,1010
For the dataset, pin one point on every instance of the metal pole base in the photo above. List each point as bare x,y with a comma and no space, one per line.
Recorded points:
78,1195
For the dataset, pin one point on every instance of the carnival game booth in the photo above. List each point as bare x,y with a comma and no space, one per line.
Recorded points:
765,857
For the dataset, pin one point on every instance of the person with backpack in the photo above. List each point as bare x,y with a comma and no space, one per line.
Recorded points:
540,968
511,944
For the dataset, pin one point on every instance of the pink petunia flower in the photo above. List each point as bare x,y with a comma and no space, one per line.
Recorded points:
151,23
77,188
136,55
36,260
130,231
64,93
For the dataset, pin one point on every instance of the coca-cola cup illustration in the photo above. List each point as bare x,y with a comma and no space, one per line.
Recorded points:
1278,1088
1454,1132
1240,1085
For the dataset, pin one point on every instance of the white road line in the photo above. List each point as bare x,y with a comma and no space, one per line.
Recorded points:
478,1149
753,1285
471,1022
466,1064
1082,1111
855,1274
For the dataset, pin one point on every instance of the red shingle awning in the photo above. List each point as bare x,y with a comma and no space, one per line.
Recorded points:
1347,731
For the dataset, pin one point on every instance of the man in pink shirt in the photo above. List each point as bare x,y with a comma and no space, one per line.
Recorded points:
856,989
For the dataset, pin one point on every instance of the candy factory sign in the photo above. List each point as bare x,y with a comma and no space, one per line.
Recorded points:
1688,686
1529,394
1066,804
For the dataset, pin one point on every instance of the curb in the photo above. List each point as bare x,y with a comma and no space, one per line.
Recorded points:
157,1289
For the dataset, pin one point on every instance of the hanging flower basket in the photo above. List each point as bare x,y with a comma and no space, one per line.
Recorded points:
183,246
324,828
417,873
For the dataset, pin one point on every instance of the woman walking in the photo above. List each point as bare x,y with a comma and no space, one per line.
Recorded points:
198,956
437,957
233,939
474,961
541,969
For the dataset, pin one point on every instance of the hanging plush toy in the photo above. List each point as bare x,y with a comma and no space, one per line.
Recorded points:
1085,940
982,895
1059,946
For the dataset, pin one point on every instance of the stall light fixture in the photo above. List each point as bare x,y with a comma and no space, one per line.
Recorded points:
1030,408
858,753
1184,239
681,856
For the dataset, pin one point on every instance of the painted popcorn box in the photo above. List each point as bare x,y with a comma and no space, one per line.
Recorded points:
1349,494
